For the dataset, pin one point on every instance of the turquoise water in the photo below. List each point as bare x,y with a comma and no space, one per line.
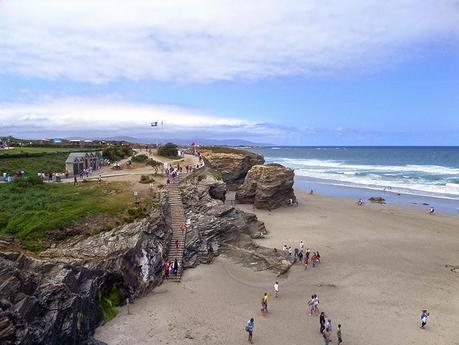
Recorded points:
422,171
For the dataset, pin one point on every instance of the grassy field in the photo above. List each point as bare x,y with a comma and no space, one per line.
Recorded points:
225,149
18,150
54,163
29,211
36,159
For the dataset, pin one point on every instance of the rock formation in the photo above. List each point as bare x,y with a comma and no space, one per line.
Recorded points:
233,166
56,298
267,187
216,227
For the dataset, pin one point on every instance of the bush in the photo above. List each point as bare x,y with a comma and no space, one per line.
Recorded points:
117,152
168,150
146,179
200,178
108,303
154,164
140,158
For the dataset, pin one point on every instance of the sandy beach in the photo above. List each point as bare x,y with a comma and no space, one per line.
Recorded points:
381,265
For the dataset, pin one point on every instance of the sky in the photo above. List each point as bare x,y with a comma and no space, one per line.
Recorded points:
330,72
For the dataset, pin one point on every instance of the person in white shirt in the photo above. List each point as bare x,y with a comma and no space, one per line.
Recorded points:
276,289
301,245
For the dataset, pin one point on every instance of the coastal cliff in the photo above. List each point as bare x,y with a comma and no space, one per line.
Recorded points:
62,295
233,165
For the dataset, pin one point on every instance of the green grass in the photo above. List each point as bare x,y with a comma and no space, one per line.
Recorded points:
31,149
54,163
29,210
224,149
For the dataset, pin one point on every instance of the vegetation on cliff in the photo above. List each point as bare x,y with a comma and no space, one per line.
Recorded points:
34,212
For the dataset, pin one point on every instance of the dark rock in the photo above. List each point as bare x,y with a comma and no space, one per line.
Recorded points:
54,298
267,187
377,200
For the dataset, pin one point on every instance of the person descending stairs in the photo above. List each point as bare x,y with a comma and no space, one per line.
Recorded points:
177,244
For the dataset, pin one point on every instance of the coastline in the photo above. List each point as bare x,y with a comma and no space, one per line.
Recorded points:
416,201
381,265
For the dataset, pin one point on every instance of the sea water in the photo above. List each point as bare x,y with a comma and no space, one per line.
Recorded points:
425,176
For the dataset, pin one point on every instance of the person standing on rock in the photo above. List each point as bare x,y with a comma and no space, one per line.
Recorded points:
276,289
249,329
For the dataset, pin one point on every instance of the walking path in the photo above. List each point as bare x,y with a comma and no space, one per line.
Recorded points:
177,244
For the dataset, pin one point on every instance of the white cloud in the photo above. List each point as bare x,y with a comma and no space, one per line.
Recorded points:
208,40
109,116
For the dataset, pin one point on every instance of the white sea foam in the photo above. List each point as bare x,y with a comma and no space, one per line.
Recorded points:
430,180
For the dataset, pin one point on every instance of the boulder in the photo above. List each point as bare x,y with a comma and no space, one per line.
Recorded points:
232,166
267,187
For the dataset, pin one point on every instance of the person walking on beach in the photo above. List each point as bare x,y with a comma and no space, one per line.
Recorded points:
322,322
424,316
300,256
301,245
328,326
316,305
249,329
276,289
326,336
264,304
339,335
311,305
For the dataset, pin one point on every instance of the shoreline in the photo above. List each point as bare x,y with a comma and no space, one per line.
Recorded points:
419,202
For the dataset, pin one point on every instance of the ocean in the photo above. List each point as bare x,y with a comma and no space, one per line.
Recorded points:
423,175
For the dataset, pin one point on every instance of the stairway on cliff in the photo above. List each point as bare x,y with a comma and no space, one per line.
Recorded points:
177,244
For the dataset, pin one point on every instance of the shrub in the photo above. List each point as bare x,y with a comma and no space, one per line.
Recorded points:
168,150
200,178
117,152
108,303
154,164
140,158
146,179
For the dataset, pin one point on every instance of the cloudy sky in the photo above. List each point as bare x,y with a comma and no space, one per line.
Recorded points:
333,72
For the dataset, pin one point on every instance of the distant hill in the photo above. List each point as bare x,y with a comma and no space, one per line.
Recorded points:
229,142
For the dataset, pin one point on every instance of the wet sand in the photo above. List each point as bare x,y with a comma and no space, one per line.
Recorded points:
381,265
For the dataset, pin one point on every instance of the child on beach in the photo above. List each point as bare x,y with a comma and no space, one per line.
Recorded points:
322,322
306,261
249,328
338,335
276,289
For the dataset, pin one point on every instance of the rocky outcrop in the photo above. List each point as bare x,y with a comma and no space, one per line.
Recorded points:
232,166
267,187
59,297
214,223
216,227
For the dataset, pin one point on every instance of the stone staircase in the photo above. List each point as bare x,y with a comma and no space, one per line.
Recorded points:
178,217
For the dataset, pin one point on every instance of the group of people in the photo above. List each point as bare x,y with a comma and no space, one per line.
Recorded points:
305,257
170,267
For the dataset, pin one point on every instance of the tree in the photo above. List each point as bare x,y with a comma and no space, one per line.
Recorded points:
154,164
168,150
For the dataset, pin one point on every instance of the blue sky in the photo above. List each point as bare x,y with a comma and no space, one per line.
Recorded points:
298,73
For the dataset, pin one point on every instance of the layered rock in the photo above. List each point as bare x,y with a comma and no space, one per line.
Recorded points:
214,223
233,166
267,187
55,298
